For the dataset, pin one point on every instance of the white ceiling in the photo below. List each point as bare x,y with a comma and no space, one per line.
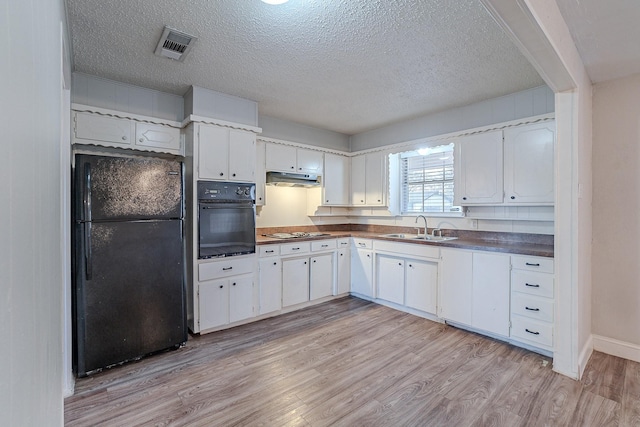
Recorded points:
344,65
607,35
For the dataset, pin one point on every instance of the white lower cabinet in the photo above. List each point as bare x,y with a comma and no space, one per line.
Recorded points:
225,301
295,281
343,267
474,290
321,276
362,267
390,278
421,280
532,301
270,279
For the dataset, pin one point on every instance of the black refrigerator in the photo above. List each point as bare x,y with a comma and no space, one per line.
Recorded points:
128,264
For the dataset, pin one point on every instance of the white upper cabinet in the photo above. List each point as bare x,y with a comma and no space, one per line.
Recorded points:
285,158
104,130
336,180
368,179
528,164
226,155
260,173
478,169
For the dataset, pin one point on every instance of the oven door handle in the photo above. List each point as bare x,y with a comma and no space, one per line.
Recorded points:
207,206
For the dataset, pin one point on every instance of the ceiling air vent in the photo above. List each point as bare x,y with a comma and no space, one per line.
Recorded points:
174,44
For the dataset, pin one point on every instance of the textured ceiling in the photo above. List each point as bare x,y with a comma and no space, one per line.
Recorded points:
607,35
343,65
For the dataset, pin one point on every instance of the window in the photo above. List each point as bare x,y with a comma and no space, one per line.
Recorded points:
427,180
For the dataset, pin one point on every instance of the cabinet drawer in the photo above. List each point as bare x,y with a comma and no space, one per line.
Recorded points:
343,243
269,250
295,248
363,243
532,331
224,268
529,282
323,245
533,307
544,265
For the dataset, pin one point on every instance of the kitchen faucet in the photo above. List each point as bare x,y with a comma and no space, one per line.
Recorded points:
425,225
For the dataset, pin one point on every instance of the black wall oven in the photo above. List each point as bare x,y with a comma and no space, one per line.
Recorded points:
226,219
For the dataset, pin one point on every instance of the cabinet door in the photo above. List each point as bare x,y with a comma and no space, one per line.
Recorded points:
421,285
390,278
344,271
260,173
358,180
490,295
94,127
270,285
309,161
528,163
213,153
362,272
336,179
240,298
295,281
213,298
321,276
376,176
157,136
242,156
479,169
280,157
456,285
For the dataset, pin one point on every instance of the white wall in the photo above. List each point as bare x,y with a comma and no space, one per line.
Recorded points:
303,134
31,277
514,106
616,201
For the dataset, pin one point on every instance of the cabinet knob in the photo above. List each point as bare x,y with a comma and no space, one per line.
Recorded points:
361,201
124,138
234,283
141,140
259,198
513,197
275,263
234,174
221,286
314,261
400,264
293,167
327,200
411,265
305,263
221,173
464,198
299,169
379,200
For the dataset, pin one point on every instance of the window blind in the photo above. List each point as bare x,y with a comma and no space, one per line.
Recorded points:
427,180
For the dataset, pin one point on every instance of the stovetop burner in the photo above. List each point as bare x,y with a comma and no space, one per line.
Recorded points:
295,235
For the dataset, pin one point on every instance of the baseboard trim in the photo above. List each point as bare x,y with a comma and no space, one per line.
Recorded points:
616,347
585,355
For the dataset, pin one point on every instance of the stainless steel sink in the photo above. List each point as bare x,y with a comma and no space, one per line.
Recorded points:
418,237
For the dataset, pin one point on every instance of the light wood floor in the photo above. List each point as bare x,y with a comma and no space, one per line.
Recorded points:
353,363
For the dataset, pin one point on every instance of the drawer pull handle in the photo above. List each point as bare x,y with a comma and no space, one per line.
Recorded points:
227,268
295,249
532,332
361,244
532,309
535,285
325,246
269,252
532,264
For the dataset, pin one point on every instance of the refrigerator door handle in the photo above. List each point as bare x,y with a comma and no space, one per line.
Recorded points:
87,251
87,216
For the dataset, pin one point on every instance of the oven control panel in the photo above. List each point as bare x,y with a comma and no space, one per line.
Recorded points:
225,191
